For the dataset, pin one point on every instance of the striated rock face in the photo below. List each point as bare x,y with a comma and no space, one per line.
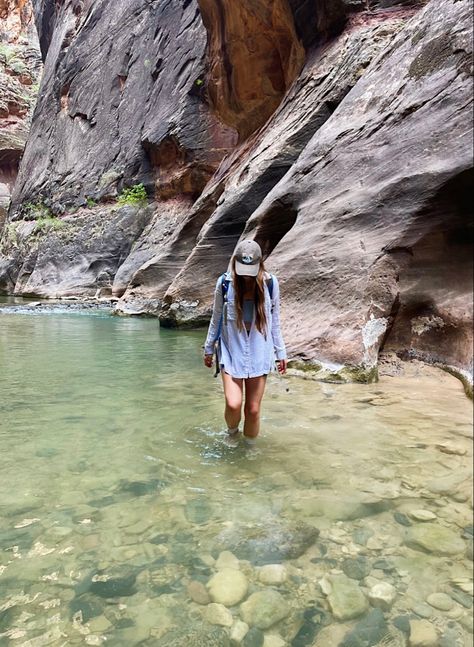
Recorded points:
19,74
337,134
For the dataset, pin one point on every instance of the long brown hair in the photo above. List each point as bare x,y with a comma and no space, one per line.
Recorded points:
259,298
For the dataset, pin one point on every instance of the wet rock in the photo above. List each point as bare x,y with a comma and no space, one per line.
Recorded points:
434,539
228,586
227,560
440,601
422,634
382,596
422,515
272,574
140,488
269,542
114,587
346,599
449,638
253,638
361,536
306,634
273,640
402,623
463,598
198,592
89,606
198,510
367,632
402,519
264,609
356,567
238,632
195,636
218,614
99,624
423,610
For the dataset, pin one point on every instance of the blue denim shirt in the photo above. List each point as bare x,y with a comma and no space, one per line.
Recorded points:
240,354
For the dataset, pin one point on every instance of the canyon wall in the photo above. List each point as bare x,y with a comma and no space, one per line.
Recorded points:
337,134
20,69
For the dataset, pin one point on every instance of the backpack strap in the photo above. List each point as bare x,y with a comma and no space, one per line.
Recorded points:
225,286
270,286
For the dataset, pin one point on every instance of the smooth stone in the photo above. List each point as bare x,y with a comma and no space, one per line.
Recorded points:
273,640
198,592
253,638
382,596
423,610
367,632
218,614
272,574
463,598
422,515
198,510
238,632
434,539
99,624
422,634
346,599
361,536
228,587
89,607
356,567
117,587
227,560
264,609
449,639
401,518
402,623
440,601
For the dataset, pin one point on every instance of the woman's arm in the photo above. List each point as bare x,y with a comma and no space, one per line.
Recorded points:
213,330
278,343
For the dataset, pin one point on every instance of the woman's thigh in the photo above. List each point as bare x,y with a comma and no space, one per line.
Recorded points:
233,390
254,390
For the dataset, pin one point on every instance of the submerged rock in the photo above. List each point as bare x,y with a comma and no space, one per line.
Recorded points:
422,634
434,539
346,599
264,609
367,632
268,542
228,586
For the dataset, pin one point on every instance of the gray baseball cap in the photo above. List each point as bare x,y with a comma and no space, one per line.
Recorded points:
248,255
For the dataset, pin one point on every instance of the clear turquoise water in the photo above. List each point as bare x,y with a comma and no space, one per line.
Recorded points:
117,489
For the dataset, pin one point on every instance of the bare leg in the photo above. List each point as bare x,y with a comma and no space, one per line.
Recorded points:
233,391
254,389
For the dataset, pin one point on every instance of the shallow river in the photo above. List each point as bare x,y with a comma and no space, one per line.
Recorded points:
126,520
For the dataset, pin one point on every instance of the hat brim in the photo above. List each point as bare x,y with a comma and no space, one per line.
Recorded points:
246,270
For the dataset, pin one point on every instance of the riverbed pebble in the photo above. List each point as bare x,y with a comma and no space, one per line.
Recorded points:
440,601
227,559
198,592
263,609
382,595
422,515
228,586
273,640
346,598
272,574
435,539
218,614
238,632
422,634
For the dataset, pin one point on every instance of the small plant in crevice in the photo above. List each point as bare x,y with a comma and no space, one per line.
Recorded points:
48,224
35,210
91,202
135,194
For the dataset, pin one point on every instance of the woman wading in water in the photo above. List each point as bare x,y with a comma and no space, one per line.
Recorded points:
244,332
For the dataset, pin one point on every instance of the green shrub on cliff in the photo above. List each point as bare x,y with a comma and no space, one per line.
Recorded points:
35,210
135,194
48,224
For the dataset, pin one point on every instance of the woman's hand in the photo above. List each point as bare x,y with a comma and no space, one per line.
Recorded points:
208,360
282,366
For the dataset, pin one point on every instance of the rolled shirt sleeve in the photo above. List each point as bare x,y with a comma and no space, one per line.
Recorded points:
278,343
213,330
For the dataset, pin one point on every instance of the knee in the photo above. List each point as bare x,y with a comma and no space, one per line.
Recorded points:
252,409
233,405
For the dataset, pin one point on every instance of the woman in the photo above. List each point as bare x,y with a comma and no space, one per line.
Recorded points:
245,324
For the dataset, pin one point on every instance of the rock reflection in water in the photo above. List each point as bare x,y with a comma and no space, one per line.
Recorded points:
126,518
